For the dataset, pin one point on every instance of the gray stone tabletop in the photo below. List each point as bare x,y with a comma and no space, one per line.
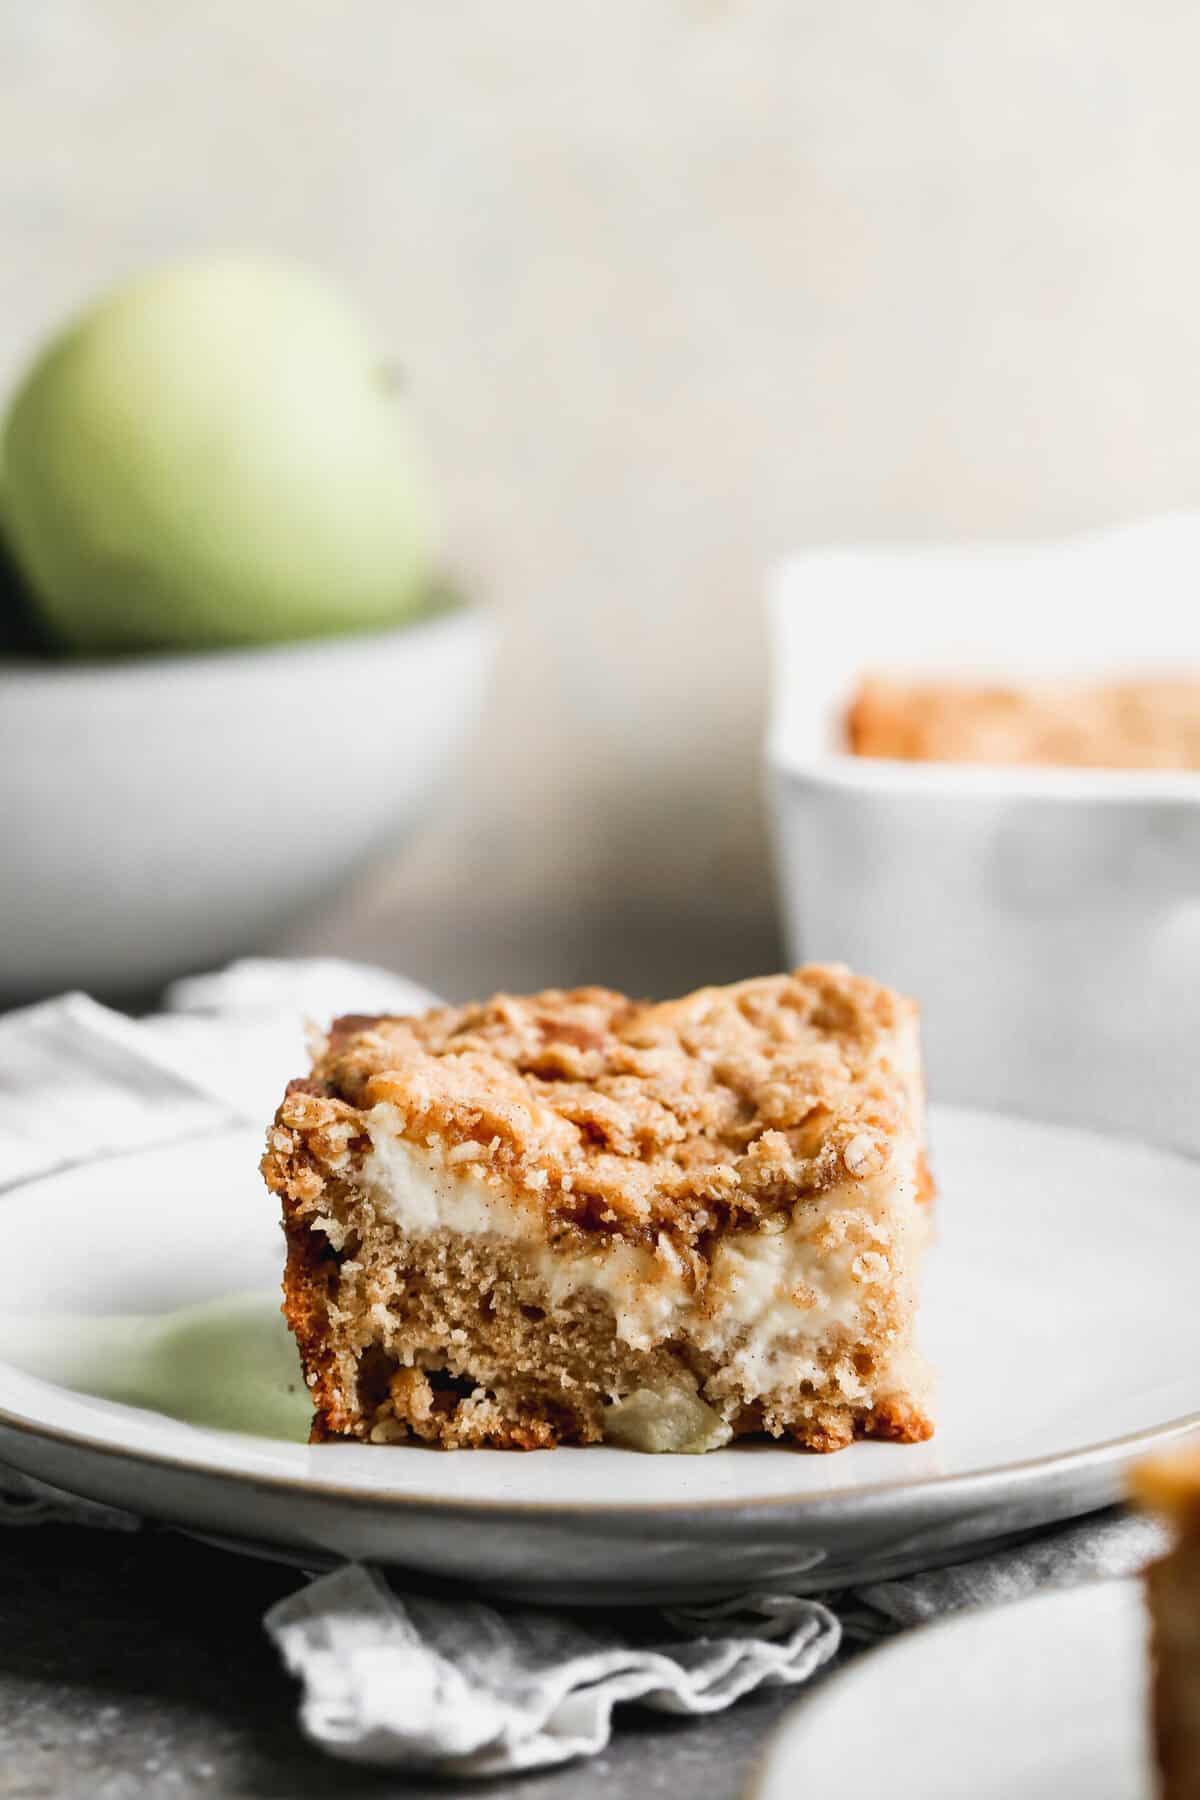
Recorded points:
135,1665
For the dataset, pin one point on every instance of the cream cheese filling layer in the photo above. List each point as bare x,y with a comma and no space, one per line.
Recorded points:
771,1293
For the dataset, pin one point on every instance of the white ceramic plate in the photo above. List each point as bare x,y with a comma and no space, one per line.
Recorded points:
1056,1308
1043,1699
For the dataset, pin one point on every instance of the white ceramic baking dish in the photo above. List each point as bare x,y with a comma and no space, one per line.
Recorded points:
1048,920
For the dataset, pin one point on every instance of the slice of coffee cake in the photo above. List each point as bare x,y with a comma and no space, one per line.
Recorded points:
1170,1485
569,1218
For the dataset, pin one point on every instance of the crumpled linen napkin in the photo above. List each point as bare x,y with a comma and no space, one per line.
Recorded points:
79,1081
402,1679
471,1690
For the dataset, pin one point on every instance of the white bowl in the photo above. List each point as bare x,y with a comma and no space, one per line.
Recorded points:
1047,920
160,814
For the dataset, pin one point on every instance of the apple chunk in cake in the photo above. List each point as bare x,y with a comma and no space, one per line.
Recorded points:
570,1217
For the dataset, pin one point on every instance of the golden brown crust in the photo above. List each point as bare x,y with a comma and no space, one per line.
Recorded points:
696,1115
1136,724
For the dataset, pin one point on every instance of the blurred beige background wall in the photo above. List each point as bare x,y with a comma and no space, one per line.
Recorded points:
680,284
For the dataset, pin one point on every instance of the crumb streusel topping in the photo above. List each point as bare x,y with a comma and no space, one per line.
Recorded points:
696,1115
1146,723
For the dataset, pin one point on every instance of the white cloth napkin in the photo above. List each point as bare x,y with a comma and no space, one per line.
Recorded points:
402,1679
78,1081
470,1690
460,1686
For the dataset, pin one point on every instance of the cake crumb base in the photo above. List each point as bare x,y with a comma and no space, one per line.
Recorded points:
470,1354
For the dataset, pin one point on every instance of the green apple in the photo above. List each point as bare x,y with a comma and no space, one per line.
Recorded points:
215,454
